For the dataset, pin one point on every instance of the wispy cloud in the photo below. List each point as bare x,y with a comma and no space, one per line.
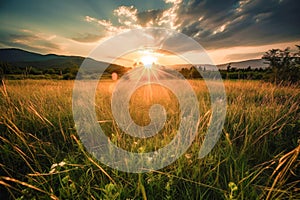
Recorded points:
101,22
87,38
32,41
129,17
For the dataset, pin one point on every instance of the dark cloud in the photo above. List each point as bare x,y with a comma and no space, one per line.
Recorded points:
212,9
244,22
149,15
219,23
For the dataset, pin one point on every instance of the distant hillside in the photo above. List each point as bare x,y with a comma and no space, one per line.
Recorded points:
21,58
254,64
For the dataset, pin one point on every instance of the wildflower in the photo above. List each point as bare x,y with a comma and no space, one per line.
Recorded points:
55,165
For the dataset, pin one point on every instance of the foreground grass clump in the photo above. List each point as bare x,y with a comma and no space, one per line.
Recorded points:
257,156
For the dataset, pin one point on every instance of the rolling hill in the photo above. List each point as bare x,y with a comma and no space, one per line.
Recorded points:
254,64
21,58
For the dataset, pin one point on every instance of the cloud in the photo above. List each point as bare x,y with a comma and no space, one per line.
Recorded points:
101,22
173,1
87,38
27,39
244,56
238,23
214,24
238,53
149,17
127,15
127,19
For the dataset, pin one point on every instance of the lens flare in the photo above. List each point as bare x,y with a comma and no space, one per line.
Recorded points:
148,60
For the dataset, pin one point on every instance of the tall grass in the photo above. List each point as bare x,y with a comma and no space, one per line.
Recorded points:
257,156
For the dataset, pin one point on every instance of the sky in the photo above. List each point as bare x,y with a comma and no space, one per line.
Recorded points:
231,30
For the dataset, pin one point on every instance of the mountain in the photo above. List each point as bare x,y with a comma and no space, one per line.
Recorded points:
21,58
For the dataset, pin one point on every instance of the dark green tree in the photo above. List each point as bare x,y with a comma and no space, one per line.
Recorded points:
185,72
284,65
194,73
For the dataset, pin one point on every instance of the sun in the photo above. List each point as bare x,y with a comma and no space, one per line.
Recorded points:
148,60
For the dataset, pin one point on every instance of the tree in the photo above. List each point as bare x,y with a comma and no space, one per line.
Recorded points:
284,64
27,71
185,72
194,73
228,70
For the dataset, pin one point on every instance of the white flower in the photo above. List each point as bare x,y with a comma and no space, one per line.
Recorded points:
62,163
55,165
52,171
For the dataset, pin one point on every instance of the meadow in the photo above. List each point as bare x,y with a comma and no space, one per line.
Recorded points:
257,156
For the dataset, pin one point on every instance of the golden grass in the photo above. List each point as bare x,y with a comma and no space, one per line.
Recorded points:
258,152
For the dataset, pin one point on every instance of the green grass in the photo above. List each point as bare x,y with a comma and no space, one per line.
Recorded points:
257,156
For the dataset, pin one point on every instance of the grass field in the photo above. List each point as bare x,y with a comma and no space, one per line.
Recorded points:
257,156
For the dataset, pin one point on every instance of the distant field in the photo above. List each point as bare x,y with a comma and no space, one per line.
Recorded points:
257,156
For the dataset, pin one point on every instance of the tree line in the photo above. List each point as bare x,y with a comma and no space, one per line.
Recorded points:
10,71
284,68
229,73
285,65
